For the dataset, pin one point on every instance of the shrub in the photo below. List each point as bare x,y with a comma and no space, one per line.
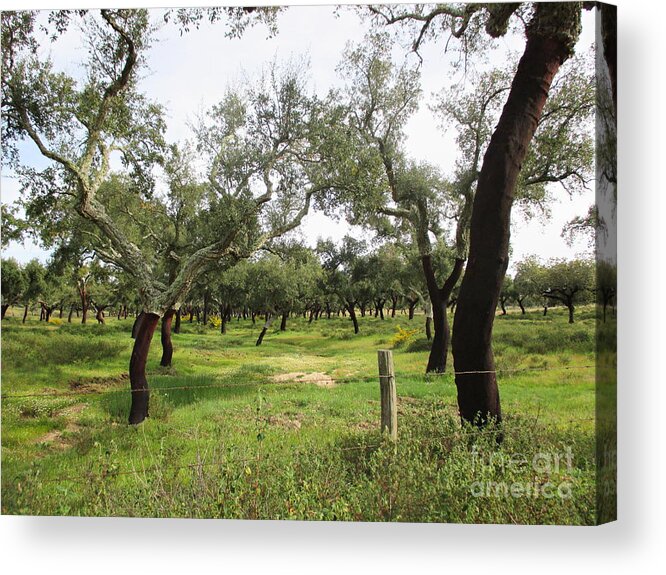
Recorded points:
403,337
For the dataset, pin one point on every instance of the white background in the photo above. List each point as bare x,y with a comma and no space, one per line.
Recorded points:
635,543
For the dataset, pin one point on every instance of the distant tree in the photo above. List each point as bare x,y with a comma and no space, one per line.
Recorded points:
569,282
35,275
13,284
606,285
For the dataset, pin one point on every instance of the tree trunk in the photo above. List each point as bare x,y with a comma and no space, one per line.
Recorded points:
176,327
522,307
5,307
25,313
137,324
137,368
412,307
205,308
61,311
551,36
571,308
71,312
99,316
352,315
267,324
439,298
84,305
165,337
283,323
502,302
394,305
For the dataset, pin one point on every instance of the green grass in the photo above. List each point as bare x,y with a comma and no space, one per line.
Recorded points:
225,438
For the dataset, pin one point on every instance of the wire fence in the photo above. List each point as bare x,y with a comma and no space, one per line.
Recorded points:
460,434
290,383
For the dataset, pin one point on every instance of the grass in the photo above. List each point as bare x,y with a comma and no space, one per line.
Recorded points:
227,437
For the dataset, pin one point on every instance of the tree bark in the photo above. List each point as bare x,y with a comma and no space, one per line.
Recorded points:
267,324
283,323
176,327
137,324
5,307
352,316
165,337
439,298
137,368
25,313
71,312
551,37
520,304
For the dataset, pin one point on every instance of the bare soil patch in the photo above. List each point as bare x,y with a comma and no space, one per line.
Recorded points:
318,378
96,384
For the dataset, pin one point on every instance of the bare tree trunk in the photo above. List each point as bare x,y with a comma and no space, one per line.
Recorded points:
25,312
267,324
283,323
71,312
137,324
551,36
439,298
176,328
137,368
5,307
165,337
520,304
352,316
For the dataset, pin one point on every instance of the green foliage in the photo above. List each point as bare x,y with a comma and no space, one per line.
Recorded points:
14,281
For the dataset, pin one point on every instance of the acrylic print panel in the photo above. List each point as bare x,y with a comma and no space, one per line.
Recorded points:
321,263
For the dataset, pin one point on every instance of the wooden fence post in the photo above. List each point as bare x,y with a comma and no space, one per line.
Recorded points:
389,398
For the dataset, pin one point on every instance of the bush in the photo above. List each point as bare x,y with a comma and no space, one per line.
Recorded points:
403,337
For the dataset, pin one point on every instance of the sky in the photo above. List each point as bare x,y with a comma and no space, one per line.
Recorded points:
189,73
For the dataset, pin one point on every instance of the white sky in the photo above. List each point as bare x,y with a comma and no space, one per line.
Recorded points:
189,73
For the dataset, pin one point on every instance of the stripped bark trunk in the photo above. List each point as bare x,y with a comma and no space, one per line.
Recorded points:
439,298
267,324
551,37
165,337
137,368
352,316
137,324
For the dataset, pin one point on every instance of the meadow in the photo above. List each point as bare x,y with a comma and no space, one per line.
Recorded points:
290,429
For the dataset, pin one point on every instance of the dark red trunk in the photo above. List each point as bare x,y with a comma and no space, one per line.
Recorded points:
176,327
439,297
352,315
137,368
476,381
137,324
522,307
165,338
